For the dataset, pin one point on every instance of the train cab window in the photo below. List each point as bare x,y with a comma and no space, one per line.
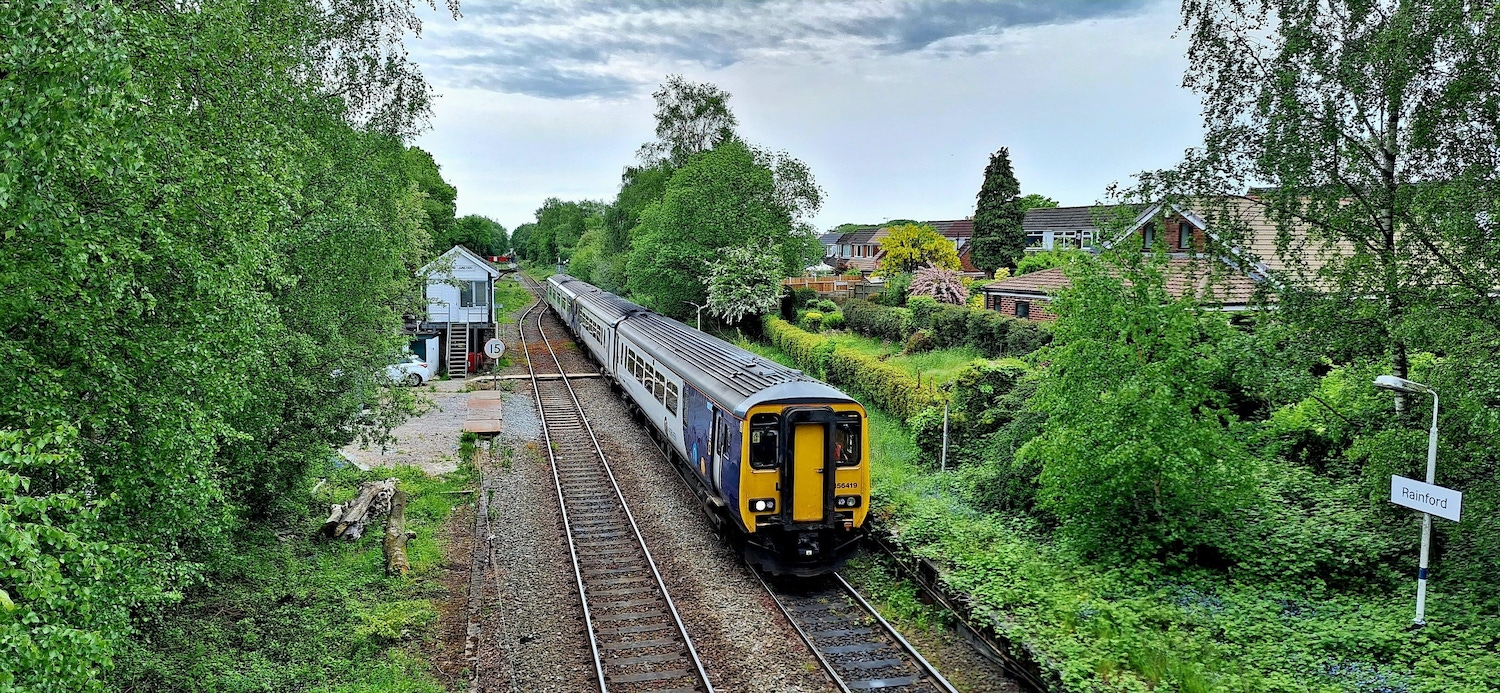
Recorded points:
846,440
764,432
672,397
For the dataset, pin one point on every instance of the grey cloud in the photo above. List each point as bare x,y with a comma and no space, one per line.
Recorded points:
599,48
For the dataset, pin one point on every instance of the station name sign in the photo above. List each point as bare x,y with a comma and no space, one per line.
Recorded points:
1418,495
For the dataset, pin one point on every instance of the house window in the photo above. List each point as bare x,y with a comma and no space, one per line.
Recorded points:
1148,235
472,294
1023,309
1033,240
1085,239
1184,235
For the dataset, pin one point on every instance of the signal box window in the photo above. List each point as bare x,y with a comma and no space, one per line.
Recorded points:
846,440
472,295
764,439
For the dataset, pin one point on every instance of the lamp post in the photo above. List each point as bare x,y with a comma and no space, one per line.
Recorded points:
1402,385
700,313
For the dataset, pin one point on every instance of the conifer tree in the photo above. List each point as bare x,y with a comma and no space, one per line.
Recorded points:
999,241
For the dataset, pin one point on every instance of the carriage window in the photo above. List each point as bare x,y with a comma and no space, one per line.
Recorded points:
764,432
659,386
672,397
846,440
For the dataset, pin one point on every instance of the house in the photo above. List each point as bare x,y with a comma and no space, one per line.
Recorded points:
1224,273
460,307
860,249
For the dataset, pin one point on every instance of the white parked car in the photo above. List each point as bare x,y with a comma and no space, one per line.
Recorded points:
410,370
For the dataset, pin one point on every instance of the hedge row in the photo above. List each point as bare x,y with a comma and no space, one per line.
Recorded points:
883,385
945,326
878,321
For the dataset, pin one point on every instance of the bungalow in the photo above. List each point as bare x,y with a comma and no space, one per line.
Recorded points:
1223,273
460,307
860,249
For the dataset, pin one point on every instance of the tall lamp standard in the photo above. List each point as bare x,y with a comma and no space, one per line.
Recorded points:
700,313
1402,385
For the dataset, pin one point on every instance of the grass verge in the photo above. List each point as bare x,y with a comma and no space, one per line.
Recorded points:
510,297
285,610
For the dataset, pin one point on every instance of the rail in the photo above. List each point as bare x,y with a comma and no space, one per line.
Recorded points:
636,636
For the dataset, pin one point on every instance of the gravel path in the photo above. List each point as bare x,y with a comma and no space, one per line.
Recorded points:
429,441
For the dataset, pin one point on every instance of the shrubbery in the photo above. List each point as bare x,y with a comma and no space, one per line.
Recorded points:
812,321
883,385
826,306
881,322
948,326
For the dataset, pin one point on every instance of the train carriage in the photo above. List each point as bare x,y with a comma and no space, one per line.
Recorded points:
781,459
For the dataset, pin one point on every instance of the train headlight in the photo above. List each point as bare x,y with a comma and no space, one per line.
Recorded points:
763,505
846,502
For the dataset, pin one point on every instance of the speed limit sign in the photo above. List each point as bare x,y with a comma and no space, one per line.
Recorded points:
494,348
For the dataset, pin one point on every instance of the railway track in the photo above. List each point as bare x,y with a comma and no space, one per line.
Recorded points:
858,648
636,637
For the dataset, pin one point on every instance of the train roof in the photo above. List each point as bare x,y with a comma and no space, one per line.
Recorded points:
735,378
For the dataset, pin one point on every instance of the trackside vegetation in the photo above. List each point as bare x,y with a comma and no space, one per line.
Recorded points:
1152,495
289,611
211,222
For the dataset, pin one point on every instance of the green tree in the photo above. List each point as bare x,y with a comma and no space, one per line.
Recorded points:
1137,453
909,247
743,282
690,118
188,193
439,198
480,234
725,198
1047,259
999,241
1364,122
1036,201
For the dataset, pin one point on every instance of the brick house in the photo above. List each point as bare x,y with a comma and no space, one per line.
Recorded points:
1225,275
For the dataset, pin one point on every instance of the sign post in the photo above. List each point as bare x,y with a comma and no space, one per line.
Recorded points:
1428,497
494,349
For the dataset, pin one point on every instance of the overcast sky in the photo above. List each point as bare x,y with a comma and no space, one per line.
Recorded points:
894,104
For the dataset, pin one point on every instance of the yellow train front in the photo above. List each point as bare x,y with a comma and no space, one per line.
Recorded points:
781,460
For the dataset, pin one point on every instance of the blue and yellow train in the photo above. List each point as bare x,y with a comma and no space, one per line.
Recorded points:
780,460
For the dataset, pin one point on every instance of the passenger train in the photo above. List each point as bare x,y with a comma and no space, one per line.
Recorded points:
780,460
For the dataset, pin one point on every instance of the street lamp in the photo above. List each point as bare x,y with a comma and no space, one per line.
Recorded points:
700,313
1402,385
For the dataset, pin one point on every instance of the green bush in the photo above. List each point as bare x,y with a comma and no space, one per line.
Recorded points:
804,297
883,385
881,322
896,289
919,342
809,351
922,308
827,306
950,326
833,321
812,321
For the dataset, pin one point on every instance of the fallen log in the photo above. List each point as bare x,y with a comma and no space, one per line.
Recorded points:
348,520
395,536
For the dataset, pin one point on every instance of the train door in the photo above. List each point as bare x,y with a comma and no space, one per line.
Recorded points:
808,470
721,449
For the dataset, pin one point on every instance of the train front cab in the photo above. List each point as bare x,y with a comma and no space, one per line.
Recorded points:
804,484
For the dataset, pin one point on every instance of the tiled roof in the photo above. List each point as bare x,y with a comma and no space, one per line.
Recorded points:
1066,218
956,228
1212,282
1041,283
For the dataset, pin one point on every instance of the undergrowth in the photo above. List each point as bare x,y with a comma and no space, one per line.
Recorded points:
285,610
